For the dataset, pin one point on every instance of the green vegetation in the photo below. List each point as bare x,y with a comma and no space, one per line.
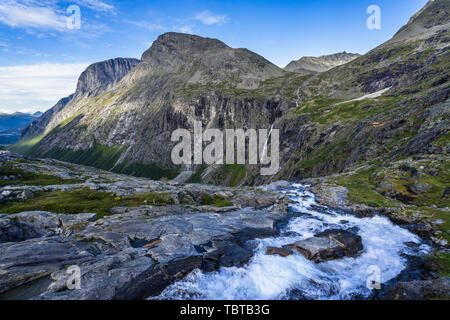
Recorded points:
215,201
151,171
26,145
197,175
327,111
27,178
325,158
99,156
443,260
230,174
361,189
83,200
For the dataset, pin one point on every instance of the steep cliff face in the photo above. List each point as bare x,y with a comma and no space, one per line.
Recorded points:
391,102
311,65
103,75
97,78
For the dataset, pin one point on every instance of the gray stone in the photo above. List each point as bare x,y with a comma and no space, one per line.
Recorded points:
329,245
419,188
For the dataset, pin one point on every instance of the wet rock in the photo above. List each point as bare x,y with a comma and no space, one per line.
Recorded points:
284,252
422,229
419,290
329,245
155,279
29,260
419,188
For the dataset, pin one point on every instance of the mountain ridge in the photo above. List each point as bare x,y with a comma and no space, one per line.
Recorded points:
326,119
308,65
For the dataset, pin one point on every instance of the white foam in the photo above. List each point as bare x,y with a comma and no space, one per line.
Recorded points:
274,277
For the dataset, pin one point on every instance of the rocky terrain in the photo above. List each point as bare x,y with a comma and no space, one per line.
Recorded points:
134,237
368,135
311,65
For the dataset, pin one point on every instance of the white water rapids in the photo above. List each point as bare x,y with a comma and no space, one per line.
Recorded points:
295,277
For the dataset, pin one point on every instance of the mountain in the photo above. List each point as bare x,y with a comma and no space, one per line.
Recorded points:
127,127
311,65
97,78
383,106
12,124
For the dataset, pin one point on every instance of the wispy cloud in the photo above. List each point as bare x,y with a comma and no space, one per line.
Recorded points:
28,13
146,25
30,88
184,29
209,18
96,5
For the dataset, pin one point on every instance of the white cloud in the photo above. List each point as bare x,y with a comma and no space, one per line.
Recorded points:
31,14
184,29
146,25
30,88
96,5
208,18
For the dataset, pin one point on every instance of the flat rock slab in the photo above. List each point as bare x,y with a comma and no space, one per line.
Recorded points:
329,245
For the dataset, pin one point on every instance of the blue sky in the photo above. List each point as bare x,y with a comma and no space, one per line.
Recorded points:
40,58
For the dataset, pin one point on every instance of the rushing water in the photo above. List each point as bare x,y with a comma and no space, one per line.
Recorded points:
295,277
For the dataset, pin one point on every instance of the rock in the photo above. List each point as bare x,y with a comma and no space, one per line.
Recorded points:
152,244
419,290
284,252
26,194
155,279
2,198
7,193
32,259
422,229
419,188
329,245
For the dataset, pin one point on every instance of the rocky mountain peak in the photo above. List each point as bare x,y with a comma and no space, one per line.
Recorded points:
320,64
173,43
435,14
102,75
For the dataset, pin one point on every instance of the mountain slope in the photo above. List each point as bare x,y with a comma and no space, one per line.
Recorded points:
180,78
311,65
385,105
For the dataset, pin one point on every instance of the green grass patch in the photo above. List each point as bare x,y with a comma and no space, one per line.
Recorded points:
26,145
152,171
215,201
83,200
99,156
361,189
27,178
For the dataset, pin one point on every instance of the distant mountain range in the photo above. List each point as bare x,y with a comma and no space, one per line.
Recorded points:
12,124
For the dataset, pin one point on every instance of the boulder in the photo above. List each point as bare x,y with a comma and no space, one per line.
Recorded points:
26,194
329,245
284,252
419,188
